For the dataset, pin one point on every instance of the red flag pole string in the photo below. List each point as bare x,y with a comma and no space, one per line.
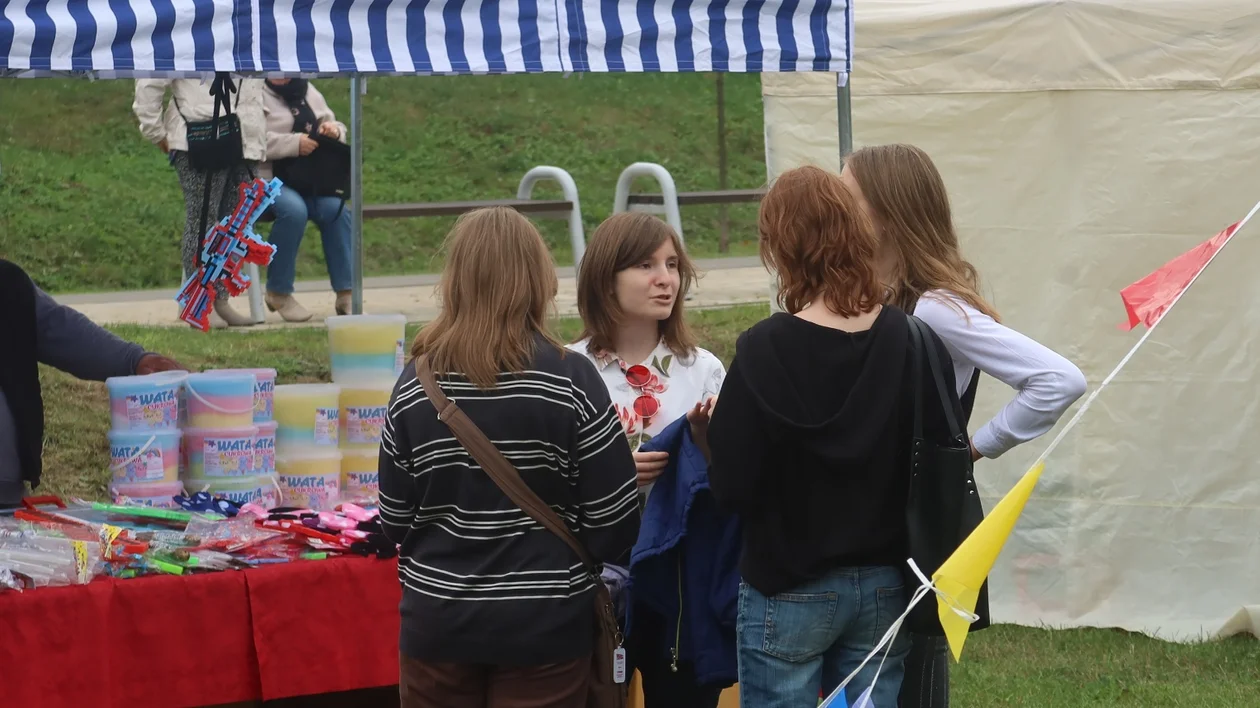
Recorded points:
1080,412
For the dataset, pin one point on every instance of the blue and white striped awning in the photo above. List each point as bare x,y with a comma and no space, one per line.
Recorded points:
126,38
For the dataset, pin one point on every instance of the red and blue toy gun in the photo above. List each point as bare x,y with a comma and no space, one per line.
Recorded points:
228,246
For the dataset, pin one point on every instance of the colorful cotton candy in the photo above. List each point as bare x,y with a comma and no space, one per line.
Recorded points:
159,495
150,402
264,391
360,476
265,448
254,489
312,481
363,411
366,348
144,456
307,416
220,399
224,452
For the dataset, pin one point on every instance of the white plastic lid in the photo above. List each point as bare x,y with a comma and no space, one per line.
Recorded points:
306,454
249,431
343,320
367,381
263,374
160,378
311,389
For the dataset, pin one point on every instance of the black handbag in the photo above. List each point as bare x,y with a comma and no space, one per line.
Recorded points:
325,172
216,145
943,506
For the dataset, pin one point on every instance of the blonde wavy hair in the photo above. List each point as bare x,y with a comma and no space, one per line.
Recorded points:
908,200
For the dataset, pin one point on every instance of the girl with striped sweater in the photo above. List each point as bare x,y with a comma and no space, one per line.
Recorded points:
496,610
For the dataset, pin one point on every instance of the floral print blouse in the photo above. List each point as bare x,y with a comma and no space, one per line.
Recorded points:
652,394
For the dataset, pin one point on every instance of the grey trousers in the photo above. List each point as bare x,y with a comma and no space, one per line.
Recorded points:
223,198
926,681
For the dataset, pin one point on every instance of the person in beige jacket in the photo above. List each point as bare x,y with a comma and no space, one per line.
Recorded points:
295,112
165,125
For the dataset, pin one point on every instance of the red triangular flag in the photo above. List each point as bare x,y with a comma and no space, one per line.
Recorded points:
1149,298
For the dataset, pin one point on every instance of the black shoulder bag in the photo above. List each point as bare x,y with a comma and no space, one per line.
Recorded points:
323,173
215,145
944,505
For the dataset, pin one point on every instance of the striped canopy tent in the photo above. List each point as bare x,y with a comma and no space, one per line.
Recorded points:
147,38
187,38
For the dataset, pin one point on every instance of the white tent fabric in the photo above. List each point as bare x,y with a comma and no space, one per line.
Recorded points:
1086,143
117,38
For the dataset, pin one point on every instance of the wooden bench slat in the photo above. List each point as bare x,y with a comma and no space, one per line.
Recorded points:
525,206
730,196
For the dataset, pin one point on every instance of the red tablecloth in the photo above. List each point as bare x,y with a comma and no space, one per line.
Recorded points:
265,633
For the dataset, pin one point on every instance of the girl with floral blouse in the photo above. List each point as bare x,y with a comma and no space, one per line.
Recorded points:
631,286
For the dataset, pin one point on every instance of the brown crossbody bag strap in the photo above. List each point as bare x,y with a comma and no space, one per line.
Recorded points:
496,465
605,689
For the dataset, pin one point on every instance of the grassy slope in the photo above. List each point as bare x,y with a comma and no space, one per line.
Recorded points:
87,204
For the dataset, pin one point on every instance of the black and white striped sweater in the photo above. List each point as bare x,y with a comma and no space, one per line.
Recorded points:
482,582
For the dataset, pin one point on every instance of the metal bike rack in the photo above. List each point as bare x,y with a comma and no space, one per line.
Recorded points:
577,233
669,194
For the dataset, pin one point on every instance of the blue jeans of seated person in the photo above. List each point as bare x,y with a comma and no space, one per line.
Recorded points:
292,211
795,644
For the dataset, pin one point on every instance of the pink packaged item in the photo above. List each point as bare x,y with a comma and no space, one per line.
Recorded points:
159,495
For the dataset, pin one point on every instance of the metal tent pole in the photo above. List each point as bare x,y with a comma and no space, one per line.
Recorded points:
844,117
358,87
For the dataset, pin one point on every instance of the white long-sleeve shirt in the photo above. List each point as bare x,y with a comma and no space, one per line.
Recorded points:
1045,382
191,100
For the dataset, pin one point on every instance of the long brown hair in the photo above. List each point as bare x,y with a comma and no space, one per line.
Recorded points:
815,236
497,288
623,241
908,199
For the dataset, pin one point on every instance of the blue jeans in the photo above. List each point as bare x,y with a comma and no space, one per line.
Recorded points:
292,210
796,644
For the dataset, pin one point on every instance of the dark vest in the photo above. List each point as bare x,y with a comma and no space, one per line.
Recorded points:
19,367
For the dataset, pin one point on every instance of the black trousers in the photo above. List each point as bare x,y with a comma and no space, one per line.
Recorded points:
926,683
662,686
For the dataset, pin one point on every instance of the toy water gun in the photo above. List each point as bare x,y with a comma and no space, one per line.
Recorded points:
114,539
228,246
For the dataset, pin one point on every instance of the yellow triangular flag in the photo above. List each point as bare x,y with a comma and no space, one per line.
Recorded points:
962,574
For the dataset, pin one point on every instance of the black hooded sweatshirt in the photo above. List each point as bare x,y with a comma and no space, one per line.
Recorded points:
810,445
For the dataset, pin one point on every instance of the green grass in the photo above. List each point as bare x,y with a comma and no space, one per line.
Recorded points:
1003,666
87,204
1017,666
76,455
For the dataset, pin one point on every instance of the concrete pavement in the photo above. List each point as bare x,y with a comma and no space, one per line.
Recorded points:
724,282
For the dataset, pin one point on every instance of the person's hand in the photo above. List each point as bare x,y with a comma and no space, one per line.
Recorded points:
153,363
164,146
975,454
306,145
330,130
699,417
649,466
